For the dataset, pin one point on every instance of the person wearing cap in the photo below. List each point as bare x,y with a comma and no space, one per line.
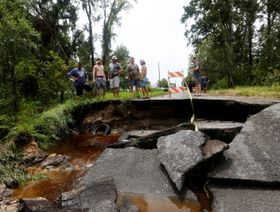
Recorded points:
99,77
114,75
133,75
78,75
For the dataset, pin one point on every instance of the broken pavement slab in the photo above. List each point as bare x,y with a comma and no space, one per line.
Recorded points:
36,204
94,197
254,153
182,152
135,171
221,130
245,199
149,141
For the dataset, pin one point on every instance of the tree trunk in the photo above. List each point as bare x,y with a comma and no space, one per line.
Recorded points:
14,91
61,96
89,16
250,56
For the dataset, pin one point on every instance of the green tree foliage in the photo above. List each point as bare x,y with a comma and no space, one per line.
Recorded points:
90,6
53,82
39,38
227,41
122,54
84,53
162,83
111,10
269,51
54,20
17,44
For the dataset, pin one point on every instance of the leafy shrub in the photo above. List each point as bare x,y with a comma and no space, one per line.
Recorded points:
10,172
220,84
273,77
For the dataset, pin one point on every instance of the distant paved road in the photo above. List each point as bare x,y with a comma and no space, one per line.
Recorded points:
246,99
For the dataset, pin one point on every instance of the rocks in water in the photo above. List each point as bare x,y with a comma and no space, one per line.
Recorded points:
183,151
54,160
134,171
4,192
32,154
254,153
38,204
180,152
245,199
9,205
95,197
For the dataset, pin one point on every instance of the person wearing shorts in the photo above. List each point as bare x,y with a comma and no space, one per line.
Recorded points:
114,75
99,77
78,75
144,80
133,75
204,84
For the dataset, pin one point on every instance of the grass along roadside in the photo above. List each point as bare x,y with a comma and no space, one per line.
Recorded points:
255,91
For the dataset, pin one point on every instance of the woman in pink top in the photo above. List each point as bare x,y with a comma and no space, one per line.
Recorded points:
99,77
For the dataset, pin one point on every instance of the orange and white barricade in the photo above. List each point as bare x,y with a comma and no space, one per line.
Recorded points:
179,74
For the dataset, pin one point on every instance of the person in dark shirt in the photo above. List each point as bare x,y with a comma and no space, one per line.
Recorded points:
78,75
196,75
133,75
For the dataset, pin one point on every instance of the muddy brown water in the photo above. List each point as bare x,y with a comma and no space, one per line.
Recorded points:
156,204
83,150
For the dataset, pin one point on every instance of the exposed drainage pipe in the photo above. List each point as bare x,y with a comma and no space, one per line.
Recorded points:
105,128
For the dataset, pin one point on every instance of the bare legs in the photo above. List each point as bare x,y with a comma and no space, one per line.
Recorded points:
131,88
145,92
198,89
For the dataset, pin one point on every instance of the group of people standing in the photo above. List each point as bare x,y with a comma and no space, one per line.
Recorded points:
136,77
